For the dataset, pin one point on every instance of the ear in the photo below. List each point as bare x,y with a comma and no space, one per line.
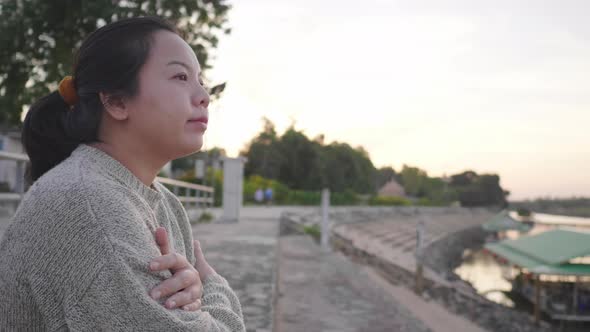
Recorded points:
114,106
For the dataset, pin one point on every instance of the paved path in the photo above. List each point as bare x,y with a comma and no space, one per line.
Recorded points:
244,253
433,315
327,292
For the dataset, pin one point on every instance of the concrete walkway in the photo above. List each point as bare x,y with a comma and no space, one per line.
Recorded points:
245,253
327,292
437,318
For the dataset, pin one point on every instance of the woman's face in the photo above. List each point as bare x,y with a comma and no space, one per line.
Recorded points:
170,98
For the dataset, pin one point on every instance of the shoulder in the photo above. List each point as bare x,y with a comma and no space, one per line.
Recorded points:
69,189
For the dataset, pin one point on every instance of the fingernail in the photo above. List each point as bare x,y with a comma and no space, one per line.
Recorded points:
171,304
155,295
186,307
154,265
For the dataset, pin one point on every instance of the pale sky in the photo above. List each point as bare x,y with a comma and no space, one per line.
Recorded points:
492,86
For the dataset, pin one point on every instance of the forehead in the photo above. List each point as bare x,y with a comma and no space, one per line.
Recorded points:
167,47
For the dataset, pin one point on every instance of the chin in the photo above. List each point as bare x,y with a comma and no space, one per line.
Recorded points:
190,147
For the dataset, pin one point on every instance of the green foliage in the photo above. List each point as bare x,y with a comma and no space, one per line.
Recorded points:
304,167
309,165
301,197
574,206
389,201
280,191
523,212
39,37
313,230
212,176
187,163
348,197
414,180
282,195
205,217
479,190
4,187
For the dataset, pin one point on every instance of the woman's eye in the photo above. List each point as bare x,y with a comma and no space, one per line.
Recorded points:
183,77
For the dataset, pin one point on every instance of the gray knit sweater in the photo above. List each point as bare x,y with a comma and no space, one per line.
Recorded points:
76,255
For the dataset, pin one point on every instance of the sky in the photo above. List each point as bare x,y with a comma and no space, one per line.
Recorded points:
493,86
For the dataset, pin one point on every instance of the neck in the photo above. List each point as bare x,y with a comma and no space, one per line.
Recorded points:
139,161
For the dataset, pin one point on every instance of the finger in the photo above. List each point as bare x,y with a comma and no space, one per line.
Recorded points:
174,284
162,240
173,261
198,251
186,297
195,306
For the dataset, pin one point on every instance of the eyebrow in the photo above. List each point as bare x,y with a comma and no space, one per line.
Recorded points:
180,63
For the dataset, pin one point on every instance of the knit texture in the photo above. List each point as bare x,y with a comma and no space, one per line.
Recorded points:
76,255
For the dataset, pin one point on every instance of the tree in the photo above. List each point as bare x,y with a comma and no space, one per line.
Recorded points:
262,152
39,37
479,190
304,164
413,180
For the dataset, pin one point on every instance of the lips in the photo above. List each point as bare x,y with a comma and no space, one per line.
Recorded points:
201,119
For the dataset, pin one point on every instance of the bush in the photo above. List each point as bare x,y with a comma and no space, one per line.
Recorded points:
301,197
280,192
389,201
314,231
424,201
522,212
4,187
217,177
348,197
282,195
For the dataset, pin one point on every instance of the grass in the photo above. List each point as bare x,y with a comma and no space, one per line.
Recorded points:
314,231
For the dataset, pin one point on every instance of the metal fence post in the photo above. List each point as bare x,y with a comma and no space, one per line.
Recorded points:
325,219
419,257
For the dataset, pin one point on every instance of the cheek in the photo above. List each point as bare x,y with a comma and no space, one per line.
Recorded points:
164,108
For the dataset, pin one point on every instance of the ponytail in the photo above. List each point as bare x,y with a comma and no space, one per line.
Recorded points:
44,135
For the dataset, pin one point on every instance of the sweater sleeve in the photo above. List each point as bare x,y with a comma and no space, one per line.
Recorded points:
116,300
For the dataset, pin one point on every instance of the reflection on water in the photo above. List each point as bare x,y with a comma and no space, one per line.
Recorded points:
486,276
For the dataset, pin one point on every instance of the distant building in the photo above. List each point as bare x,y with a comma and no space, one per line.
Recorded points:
392,189
10,141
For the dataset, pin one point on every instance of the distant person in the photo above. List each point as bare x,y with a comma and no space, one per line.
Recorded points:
98,243
268,196
259,196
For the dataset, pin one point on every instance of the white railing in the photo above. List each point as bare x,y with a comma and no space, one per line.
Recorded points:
203,195
195,195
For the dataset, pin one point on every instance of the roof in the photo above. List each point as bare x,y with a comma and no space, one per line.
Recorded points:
547,253
392,189
503,222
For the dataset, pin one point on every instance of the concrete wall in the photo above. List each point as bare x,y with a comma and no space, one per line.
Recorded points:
10,143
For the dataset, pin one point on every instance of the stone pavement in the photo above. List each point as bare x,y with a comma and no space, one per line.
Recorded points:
244,253
327,292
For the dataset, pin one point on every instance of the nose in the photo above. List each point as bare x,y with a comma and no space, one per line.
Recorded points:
200,97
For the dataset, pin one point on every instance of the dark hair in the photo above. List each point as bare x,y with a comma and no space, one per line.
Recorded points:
108,61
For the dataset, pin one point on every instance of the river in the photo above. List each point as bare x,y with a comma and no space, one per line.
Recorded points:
487,276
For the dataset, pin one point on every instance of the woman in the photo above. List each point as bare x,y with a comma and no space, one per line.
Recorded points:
77,254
